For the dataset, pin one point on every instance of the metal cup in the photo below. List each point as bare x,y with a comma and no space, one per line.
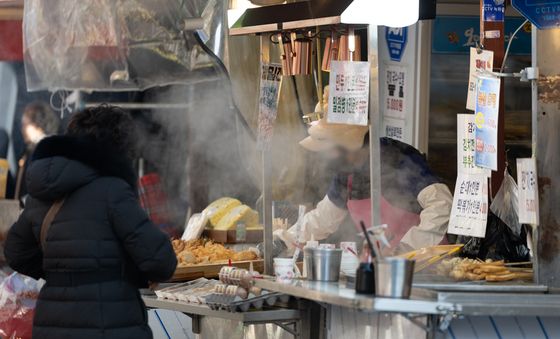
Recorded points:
393,277
326,264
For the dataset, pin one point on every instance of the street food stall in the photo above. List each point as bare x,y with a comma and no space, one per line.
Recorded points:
255,269
452,296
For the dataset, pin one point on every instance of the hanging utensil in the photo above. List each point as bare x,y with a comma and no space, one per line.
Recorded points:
303,54
331,52
287,55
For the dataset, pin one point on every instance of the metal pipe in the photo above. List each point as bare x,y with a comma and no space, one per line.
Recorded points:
266,163
374,126
534,141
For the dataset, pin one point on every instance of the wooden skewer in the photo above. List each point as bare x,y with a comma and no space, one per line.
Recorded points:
437,258
519,263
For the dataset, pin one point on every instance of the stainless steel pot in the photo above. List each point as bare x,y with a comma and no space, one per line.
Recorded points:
393,277
326,264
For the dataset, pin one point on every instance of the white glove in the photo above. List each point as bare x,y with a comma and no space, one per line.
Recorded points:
318,224
436,201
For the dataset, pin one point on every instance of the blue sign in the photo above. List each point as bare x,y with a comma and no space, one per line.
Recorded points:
396,42
486,121
542,13
494,10
457,34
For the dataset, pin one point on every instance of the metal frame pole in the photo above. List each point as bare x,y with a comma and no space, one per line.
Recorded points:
374,126
266,180
534,141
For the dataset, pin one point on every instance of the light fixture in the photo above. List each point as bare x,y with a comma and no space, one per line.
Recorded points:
391,13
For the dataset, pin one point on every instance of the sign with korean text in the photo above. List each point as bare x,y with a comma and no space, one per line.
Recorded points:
479,61
394,128
486,121
271,78
494,10
396,41
466,146
470,206
542,13
528,194
395,89
457,34
349,93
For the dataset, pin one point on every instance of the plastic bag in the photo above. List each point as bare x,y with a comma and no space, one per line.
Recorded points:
18,297
499,243
117,44
505,204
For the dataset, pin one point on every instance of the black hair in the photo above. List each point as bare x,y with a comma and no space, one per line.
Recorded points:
41,115
105,124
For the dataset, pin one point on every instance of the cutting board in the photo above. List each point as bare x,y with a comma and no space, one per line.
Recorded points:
192,272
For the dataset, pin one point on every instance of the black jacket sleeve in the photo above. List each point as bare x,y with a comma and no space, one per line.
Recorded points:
149,248
22,249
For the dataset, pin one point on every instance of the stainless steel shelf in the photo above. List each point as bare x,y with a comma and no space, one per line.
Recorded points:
503,304
520,300
261,316
421,301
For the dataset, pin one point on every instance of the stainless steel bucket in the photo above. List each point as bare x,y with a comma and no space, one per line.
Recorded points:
393,277
326,264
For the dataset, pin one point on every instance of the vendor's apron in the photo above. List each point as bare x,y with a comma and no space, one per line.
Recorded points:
399,221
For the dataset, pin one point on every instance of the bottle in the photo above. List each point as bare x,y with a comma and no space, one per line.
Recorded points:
365,274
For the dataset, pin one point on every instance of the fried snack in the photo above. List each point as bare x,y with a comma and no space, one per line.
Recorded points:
510,276
245,255
204,251
474,270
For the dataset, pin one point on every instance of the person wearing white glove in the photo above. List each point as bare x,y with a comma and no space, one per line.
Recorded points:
414,204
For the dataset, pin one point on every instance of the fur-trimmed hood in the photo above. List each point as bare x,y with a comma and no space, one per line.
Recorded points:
61,164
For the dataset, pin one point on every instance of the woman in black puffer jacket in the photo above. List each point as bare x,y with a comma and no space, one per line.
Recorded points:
101,246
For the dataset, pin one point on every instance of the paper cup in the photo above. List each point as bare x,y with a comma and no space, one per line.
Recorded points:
348,246
284,269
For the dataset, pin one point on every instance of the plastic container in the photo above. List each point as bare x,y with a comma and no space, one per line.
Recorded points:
365,279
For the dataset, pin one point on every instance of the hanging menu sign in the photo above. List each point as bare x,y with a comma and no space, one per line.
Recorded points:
271,78
470,206
528,195
349,93
486,121
466,146
479,61
395,89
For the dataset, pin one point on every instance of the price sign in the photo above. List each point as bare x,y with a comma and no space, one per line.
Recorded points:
484,60
470,206
349,93
395,92
528,191
271,78
466,146
486,121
